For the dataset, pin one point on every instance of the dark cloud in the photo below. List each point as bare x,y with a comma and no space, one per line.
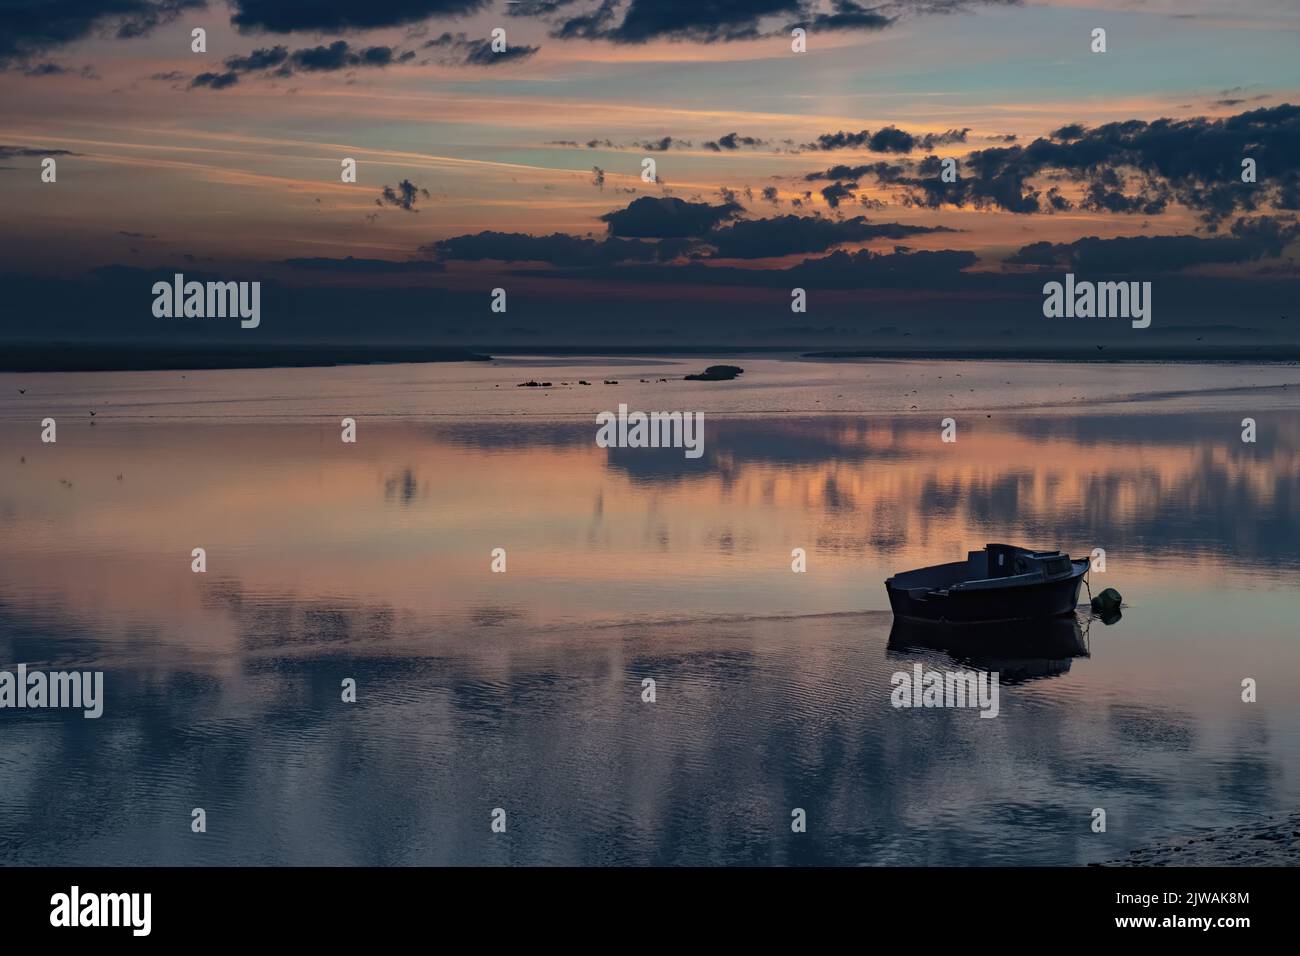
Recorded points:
848,15
991,186
215,81
790,235
647,20
840,140
458,49
538,8
1138,166
710,21
337,56
263,59
931,140
12,152
1056,202
44,69
661,145
351,266
883,171
836,193
668,217
1252,239
290,16
748,239
557,249
891,139
340,55
658,145
404,196
1238,101
588,25
1106,193
902,268
280,62
1000,178
30,27
733,141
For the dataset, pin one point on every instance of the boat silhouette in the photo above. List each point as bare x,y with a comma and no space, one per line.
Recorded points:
1000,583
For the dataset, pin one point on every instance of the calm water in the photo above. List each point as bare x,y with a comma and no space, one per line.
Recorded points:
523,690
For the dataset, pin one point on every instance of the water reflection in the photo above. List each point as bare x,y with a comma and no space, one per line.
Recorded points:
1016,652
405,520
523,689
1169,481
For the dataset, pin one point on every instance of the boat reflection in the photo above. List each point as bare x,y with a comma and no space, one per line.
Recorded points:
1017,652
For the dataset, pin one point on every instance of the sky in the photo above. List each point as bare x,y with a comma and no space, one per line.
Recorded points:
521,168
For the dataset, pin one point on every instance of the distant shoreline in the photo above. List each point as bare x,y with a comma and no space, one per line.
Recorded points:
154,358
1259,354
89,357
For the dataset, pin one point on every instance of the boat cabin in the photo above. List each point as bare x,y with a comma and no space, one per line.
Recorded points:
997,566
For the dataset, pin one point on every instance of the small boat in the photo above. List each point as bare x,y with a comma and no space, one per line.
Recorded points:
1000,583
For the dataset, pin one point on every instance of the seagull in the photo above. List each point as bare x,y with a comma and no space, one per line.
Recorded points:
22,391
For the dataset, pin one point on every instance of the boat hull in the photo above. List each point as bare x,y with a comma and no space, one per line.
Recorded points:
1022,602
